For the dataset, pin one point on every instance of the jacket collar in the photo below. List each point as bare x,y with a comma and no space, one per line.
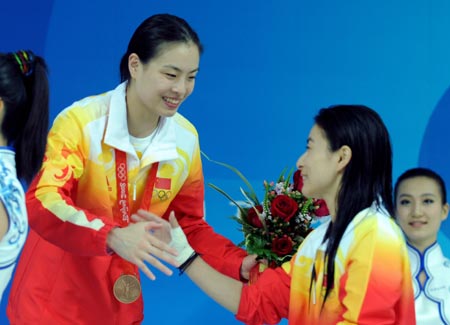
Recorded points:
164,144
116,134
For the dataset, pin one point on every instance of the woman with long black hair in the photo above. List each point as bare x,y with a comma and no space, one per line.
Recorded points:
24,111
353,269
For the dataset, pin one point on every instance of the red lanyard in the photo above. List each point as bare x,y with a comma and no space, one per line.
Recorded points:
123,202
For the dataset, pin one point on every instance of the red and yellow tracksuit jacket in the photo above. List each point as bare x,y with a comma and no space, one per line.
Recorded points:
372,281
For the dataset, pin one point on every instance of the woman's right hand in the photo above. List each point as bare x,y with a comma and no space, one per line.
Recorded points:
137,244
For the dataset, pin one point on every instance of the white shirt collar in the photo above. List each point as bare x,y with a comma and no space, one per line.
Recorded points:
163,146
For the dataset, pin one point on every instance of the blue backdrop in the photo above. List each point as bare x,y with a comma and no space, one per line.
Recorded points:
266,70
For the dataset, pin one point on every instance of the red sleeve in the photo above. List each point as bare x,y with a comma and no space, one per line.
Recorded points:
218,251
267,300
52,195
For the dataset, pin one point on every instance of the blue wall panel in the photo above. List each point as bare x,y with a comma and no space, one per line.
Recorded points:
266,70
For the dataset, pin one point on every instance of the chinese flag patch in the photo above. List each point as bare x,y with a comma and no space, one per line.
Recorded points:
163,183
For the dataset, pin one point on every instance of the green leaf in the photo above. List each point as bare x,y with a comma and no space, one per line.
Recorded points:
252,193
281,177
218,189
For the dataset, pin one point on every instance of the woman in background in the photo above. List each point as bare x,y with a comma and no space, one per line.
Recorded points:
421,206
24,112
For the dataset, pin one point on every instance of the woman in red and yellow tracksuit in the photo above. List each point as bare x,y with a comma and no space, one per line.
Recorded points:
353,269
108,156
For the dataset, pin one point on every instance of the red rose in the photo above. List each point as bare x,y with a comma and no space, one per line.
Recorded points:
321,208
282,246
253,218
284,207
298,180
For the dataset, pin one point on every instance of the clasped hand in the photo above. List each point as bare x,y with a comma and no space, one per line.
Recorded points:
145,241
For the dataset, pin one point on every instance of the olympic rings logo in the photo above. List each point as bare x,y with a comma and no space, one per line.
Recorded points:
121,171
162,195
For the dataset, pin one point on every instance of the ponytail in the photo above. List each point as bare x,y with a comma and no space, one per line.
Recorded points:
24,90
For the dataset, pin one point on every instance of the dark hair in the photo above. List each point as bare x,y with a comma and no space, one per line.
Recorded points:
24,90
151,34
422,172
367,177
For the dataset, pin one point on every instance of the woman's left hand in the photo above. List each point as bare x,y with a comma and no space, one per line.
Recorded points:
247,264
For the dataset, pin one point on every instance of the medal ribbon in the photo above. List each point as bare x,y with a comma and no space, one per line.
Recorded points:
122,188
122,212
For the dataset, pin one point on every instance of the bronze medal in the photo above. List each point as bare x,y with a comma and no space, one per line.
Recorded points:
127,288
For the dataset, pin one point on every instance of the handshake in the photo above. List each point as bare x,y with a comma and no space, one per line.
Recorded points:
151,239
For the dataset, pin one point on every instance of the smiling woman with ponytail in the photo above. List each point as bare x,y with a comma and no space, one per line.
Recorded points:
107,157
24,115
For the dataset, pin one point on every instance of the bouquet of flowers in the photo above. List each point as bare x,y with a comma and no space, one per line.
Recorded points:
275,227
